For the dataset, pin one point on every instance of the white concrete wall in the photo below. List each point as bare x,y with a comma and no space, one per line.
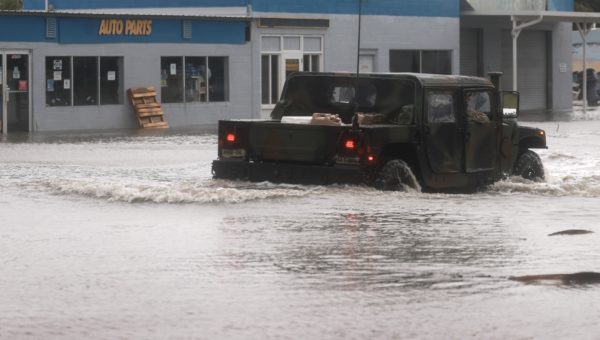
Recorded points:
141,68
379,34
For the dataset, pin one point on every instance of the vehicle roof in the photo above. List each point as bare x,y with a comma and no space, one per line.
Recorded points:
424,79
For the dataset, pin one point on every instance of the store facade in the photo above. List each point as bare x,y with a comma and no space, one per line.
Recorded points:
70,71
66,64
309,35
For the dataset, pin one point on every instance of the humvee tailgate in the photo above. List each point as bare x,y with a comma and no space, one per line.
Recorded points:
274,141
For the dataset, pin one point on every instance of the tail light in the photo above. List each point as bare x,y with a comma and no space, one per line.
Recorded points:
350,148
228,145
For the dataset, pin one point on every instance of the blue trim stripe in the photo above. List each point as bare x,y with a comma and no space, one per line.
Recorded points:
19,28
94,4
419,8
34,4
561,5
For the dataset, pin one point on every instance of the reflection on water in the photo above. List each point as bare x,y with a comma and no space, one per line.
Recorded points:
128,236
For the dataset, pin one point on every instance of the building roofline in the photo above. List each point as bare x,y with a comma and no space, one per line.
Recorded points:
174,13
547,16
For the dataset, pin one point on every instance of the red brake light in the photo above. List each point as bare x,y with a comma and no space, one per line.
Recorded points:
349,144
370,158
230,137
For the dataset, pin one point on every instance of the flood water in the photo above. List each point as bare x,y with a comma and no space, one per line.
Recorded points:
109,236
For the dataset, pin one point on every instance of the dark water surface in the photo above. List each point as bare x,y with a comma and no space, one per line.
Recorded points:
127,236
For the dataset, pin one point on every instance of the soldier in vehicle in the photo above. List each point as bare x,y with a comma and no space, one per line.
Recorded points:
476,104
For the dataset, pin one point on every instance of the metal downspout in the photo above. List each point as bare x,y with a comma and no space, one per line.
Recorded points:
253,51
4,95
516,31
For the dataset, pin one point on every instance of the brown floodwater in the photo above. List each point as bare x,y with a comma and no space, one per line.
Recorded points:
122,235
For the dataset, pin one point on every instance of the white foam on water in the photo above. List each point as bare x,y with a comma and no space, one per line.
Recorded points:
181,192
560,156
566,186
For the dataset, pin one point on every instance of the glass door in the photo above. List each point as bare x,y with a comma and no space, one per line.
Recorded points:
292,64
16,101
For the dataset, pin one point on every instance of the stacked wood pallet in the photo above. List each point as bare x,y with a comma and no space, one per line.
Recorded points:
147,109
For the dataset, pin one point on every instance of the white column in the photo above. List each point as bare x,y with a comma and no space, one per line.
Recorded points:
583,31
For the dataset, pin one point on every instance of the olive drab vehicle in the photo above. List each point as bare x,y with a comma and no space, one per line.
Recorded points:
391,131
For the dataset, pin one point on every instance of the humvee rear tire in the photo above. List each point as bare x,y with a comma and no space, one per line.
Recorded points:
529,166
396,175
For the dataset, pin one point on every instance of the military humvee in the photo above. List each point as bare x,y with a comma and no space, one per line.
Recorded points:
392,131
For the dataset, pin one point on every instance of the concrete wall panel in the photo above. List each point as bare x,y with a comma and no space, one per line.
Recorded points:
141,68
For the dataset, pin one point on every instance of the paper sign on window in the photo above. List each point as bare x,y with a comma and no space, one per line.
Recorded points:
173,69
50,85
58,75
111,75
67,84
16,73
57,64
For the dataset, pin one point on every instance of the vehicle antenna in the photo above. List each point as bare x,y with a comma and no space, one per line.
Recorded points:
358,44
356,87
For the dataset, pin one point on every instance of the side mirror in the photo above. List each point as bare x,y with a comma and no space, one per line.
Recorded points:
510,104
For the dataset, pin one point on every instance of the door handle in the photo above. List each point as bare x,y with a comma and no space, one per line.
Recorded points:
6,94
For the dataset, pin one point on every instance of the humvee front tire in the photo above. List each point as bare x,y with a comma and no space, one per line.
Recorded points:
529,166
396,175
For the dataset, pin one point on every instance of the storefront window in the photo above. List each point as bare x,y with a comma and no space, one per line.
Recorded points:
85,81
264,71
274,78
269,78
312,63
171,79
86,85
196,79
58,81
405,61
206,79
111,80
438,62
218,79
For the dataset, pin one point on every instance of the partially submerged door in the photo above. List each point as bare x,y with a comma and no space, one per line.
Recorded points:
15,78
443,136
480,135
293,64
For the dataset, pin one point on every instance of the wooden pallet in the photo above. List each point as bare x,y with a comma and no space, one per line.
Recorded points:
147,109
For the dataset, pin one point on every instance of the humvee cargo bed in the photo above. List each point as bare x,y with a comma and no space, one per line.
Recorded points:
392,131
